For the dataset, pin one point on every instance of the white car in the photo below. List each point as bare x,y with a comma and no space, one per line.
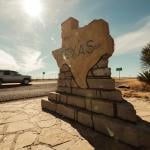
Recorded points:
9,76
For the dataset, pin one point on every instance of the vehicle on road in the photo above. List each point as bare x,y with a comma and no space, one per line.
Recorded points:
9,76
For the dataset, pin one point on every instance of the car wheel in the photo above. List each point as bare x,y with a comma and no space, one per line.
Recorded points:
26,81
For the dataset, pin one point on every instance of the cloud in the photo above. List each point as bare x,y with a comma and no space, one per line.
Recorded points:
135,40
31,59
7,61
26,60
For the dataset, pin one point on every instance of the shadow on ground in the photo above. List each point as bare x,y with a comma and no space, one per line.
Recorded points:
98,140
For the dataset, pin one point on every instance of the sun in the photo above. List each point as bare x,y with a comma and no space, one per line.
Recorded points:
32,7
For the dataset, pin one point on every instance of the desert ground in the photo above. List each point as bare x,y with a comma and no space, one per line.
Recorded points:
132,88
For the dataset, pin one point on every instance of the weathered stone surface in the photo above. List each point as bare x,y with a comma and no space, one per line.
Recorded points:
103,63
103,107
17,117
65,146
48,105
63,98
101,83
7,142
84,92
73,83
114,95
85,118
53,96
88,43
47,123
25,139
126,111
54,136
62,75
102,72
76,101
82,145
41,147
1,129
119,130
61,83
64,90
19,126
66,111
64,68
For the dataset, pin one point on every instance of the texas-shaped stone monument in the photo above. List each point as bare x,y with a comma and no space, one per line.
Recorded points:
86,92
83,47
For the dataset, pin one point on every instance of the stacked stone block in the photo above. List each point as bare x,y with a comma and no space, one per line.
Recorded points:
99,106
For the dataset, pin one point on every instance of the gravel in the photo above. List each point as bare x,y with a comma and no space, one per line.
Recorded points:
15,92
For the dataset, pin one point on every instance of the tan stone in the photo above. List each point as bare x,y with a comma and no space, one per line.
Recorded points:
53,96
17,117
54,136
103,107
85,118
68,83
66,111
25,139
64,68
103,63
114,95
88,43
47,123
61,75
82,145
64,90
84,92
68,75
41,147
7,142
1,129
61,83
76,101
88,104
120,130
73,83
102,72
101,83
19,126
48,105
63,98
61,89
126,111
65,146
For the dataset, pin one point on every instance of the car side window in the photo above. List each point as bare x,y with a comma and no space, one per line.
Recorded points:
6,73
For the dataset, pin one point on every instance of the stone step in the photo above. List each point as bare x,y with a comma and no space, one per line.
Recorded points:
123,110
126,132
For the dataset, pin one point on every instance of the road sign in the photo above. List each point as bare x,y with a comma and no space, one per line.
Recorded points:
119,69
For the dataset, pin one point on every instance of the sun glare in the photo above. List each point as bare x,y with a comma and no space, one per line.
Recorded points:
32,7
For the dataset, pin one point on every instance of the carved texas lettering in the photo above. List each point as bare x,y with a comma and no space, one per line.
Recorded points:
84,49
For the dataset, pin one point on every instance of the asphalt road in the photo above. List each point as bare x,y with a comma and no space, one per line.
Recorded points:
35,89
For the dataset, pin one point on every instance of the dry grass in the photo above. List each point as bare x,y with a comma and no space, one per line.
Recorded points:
137,88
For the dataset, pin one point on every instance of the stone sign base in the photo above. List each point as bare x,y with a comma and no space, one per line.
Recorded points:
100,106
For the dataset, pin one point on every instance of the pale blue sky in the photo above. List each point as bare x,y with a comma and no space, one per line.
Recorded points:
30,30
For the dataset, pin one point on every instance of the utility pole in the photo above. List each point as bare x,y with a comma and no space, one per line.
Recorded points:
119,69
43,75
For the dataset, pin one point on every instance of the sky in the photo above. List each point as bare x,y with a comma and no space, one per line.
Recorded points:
31,29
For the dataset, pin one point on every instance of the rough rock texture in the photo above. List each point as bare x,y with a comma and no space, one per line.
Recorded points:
86,92
83,47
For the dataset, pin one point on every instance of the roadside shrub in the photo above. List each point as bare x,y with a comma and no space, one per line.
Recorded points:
144,77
